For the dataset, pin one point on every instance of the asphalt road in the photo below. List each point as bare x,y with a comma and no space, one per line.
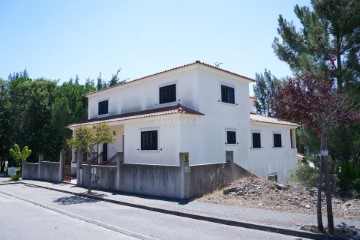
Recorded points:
27,221
22,220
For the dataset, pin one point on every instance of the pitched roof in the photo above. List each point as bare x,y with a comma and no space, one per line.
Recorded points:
263,119
178,108
172,69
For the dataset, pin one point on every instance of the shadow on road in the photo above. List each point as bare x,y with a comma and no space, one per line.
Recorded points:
77,200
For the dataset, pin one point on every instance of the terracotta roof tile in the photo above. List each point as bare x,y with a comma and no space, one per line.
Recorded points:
172,69
259,118
178,108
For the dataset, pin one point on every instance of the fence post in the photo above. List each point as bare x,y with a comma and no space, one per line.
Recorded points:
22,170
119,163
185,190
41,159
73,150
78,169
61,166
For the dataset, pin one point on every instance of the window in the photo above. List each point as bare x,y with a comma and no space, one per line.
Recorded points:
277,140
167,94
256,140
103,107
149,140
227,94
291,139
231,137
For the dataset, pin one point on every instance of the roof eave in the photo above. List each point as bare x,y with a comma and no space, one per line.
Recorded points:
110,121
244,78
290,125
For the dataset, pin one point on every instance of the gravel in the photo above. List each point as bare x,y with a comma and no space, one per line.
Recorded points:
288,197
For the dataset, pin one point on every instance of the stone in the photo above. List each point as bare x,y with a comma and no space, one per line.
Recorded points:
229,190
239,193
307,206
280,186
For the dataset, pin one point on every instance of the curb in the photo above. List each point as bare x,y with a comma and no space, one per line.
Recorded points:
284,231
82,218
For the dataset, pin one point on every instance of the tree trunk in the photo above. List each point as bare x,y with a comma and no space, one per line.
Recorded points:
318,205
89,166
97,152
338,60
2,164
324,153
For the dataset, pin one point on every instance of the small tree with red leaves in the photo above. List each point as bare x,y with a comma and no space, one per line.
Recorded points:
316,104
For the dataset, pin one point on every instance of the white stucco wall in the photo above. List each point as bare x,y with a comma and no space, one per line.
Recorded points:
118,145
204,137
144,94
209,146
268,159
168,141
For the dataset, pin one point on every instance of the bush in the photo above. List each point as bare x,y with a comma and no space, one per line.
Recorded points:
306,175
14,177
348,175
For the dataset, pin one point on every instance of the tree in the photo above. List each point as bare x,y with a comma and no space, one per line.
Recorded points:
87,138
329,37
5,124
341,19
316,104
115,78
35,112
77,80
100,83
70,106
265,89
22,74
103,134
327,46
19,155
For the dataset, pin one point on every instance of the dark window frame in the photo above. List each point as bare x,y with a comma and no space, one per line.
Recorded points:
167,93
277,140
256,142
231,137
292,145
227,94
102,110
149,140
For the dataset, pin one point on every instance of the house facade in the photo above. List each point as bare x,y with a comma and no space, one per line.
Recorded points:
197,109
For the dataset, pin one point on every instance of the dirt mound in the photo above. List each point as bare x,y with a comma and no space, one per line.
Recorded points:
289,197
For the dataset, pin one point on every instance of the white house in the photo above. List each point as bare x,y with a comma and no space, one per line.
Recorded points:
195,108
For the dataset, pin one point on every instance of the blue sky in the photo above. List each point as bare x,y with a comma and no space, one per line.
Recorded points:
59,39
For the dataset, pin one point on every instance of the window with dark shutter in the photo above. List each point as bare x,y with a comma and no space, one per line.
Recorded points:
277,140
291,139
227,94
167,94
103,107
231,137
149,140
256,140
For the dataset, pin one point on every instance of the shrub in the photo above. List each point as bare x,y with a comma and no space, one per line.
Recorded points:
306,175
348,178
14,177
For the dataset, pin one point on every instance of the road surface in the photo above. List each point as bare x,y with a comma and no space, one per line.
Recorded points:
83,218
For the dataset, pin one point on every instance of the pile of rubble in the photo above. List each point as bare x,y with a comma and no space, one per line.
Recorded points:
291,197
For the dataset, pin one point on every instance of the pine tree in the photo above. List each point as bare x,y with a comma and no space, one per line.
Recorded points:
329,37
265,89
77,80
99,84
